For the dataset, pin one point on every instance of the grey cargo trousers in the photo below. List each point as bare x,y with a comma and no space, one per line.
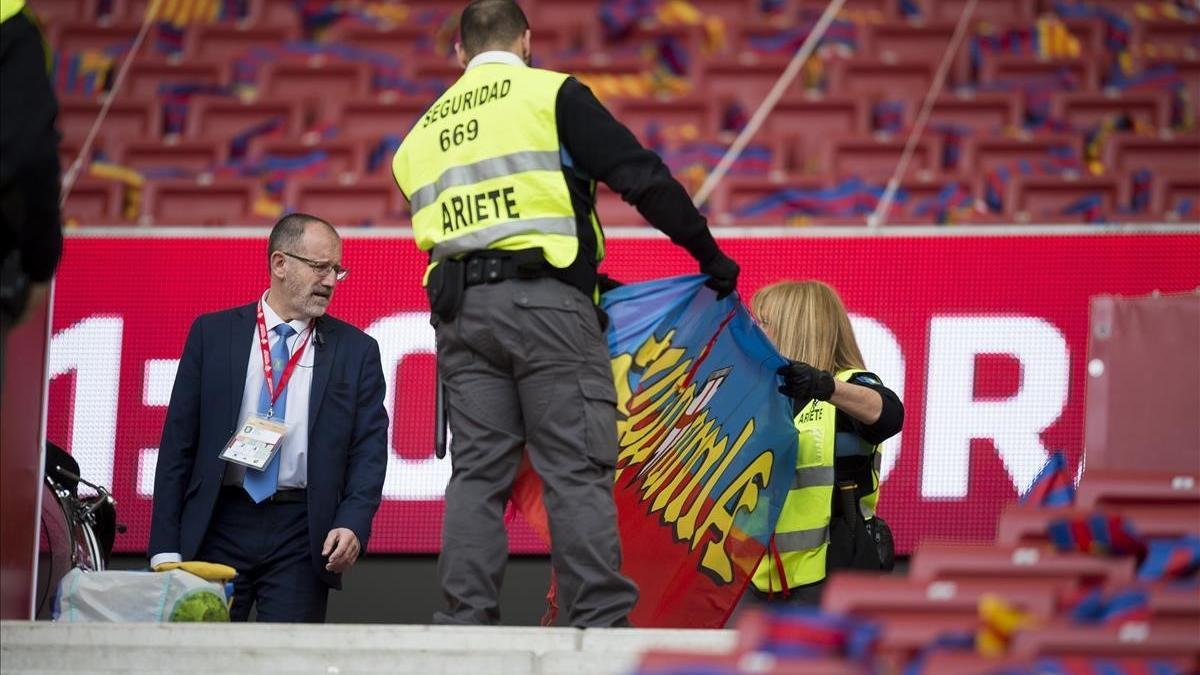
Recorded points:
526,366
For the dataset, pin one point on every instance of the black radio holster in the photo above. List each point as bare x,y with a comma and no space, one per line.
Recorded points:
445,288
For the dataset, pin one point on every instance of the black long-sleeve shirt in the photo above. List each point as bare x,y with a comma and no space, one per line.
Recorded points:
890,422
599,147
29,169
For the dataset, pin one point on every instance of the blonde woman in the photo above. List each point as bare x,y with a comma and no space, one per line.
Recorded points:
842,414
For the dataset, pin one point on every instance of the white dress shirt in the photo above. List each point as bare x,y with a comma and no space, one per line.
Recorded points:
293,452
496,56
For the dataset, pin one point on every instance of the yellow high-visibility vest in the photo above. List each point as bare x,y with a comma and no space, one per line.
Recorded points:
482,168
802,533
10,8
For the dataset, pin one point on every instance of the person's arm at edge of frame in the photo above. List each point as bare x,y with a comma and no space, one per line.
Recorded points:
177,450
876,410
366,465
608,151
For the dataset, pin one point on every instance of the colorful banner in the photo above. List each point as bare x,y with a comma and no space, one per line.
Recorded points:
706,448
984,338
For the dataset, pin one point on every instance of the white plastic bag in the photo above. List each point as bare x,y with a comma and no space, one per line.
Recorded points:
152,597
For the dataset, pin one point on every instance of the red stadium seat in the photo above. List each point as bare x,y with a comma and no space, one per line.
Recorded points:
817,119
229,42
974,663
878,157
225,201
258,12
1188,70
687,118
1167,35
903,634
1062,637
558,14
1169,602
730,11
668,661
870,77
221,118
971,662
1173,191
438,7
1026,525
57,11
1180,154
366,202
398,41
126,119
985,154
1101,488
743,192
94,201
920,206
876,596
923,44
274,13
1021,68
982,114
965,561
1085,110
148,74
372,119
69,149
193,156
1046,199
746,81
76,36
998,11
446,69
315,77
341,156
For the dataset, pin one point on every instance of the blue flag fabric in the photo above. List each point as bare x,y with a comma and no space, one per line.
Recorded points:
706,447
1053,485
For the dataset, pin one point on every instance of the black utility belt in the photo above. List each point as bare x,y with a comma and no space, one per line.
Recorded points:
490,267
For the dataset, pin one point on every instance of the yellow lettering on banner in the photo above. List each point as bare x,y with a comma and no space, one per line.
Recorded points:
677,461
745,488
686,524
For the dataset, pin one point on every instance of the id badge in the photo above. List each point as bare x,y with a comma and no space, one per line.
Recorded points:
255,442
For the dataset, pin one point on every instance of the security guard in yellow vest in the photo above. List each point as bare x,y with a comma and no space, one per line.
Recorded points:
843,414
30,229
500,175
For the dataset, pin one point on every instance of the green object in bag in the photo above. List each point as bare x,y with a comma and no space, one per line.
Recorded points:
200,604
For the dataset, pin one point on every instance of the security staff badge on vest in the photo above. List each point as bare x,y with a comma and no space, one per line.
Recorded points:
255,442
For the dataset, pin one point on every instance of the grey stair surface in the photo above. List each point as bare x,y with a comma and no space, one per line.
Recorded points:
334,649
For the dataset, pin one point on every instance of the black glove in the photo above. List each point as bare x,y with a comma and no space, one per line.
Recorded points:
606,283
723,274
803,382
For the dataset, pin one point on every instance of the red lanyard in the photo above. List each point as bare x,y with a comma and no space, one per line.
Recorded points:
265,347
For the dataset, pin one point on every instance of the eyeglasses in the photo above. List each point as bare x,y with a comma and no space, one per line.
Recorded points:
321,268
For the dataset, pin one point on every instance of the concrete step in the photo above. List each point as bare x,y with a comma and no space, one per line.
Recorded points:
333,649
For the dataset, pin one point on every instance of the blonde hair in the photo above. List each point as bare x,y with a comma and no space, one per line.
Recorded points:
807,322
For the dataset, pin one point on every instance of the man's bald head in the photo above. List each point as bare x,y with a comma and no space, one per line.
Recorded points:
491,24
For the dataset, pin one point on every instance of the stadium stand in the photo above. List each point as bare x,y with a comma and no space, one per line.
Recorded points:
1052,111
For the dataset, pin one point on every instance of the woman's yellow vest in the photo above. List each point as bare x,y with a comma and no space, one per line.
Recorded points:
802,533
482,168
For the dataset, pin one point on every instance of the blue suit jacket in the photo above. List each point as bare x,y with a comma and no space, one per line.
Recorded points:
347,433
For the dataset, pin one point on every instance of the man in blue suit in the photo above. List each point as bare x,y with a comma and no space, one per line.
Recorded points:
291,527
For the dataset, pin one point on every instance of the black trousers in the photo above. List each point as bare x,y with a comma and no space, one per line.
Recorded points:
267,544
